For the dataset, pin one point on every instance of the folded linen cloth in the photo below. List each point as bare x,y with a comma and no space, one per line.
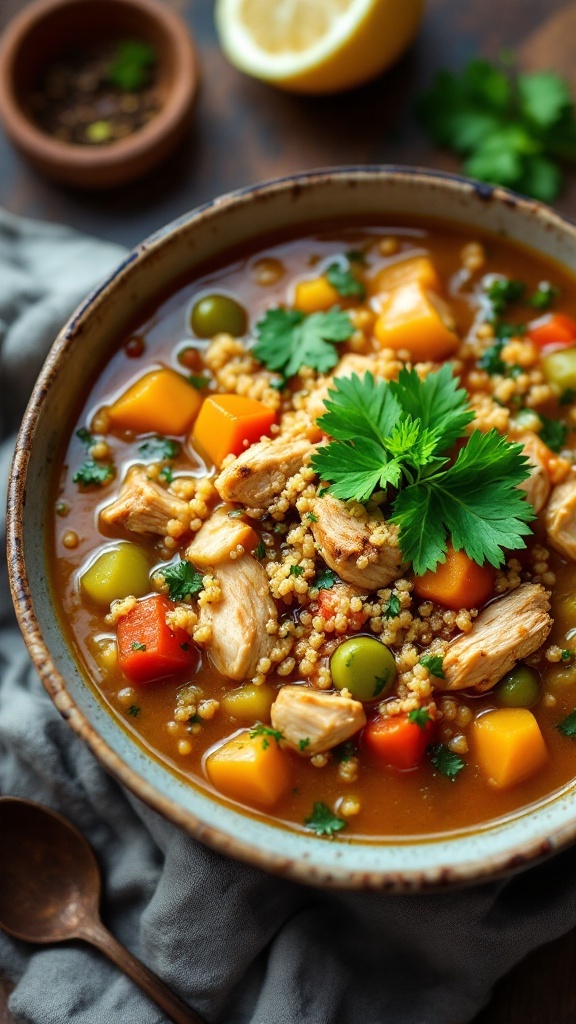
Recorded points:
241,946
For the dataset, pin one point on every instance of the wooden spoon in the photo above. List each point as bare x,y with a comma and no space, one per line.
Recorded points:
50,892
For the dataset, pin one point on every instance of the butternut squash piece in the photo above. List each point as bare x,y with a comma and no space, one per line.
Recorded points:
415,319
456,583
315,296
509,746
228,424
161,401
250,703
252,770
419,269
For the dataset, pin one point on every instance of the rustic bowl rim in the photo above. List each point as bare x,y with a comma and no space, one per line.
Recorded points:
56,155
521,854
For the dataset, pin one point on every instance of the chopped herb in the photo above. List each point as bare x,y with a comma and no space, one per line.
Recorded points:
236,513
491,359
503,292
166,475
567,397
136,646
85,436
323,822
296,570
326,579
303,743
343,280
289,340
198,382
419,716
544,296
93,474
279,528
403,431
183,580
433,662
267,734
445,761
134,710
566,655
568,725
344,752
311,517
159,448
506,331
393,608
132,61
260,550
193,720
553,433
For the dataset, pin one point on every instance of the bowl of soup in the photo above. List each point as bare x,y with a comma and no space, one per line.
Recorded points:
292,527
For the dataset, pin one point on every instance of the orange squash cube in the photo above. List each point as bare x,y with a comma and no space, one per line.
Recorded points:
415,319
315,296
418,269
161,401
227,424
509,746
252,770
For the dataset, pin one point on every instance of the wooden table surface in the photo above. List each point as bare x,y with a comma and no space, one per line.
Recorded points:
244,132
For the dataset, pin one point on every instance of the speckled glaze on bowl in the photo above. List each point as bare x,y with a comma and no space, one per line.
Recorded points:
396,865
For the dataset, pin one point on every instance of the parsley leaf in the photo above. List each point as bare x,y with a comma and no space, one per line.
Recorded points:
544,296
326,579
93,474
491,360
323,822
260,550
343,280
503,292
303,743
445,761
134,710
393,608
566,654
433,662
553,433
288,339
166,475
419,716
267,734
158,449
137,646
85,436
183,580
568,725
296,570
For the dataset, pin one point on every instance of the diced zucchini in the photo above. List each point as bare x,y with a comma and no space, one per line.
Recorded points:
250,703
560,368
119,571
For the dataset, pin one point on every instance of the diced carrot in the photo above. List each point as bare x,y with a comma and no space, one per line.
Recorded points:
148,649
509,746
253,770
228,424
328,605
161,401
416,268
552,332
456,583
315,296
415,319
396,742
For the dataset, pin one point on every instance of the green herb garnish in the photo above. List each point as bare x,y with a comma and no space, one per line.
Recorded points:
132,61
296,570
166,475
433,662
503,292
267,734
445,761
568,725
343,280
344,751
260,550
326,579
85,437
419,716
158,449
303,743
288,339
323,822
310,516
566,655
544,296
134,710
393,608
553,433
182,579
137,646
93,474
198,382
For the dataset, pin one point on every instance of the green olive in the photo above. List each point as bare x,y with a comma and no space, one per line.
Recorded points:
364,666
519,689
217,314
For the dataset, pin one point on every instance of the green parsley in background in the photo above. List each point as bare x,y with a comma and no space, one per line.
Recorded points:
509,128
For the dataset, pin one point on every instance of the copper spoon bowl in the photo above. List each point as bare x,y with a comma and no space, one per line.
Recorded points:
50,892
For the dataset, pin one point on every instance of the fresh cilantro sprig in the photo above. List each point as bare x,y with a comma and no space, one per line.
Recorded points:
344,281
419,716
288,339
393,608
568,725
267,734
544,296
183,580
93,474
159,449
403,432
326,579
323,822
446,761
553,433
433,662
510,129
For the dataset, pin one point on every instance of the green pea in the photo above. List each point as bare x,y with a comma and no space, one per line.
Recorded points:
519,689
364,666
216,314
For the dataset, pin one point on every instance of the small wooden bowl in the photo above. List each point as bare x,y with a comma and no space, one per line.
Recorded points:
43,32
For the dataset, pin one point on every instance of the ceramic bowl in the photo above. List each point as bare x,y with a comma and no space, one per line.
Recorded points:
46,29
370,193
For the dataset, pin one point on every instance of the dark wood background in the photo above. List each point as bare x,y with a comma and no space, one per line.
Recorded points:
245,131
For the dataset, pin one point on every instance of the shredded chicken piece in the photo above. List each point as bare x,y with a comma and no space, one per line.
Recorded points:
260,474
363,551
143,506
219,539
560,518
312,721
538,485
238,633
505,632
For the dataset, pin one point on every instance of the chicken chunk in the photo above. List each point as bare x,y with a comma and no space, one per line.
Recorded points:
143,506
538,485
238,633
260,474
312,721
560,518
345,540
505,632
219,538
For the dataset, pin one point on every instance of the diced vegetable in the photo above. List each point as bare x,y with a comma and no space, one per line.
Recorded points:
457,583
398,741
552,332
364,666
228,424
560,368
160,402
419,269
415,319
217,314
251,769
117,572
509,746
249,703
148,650
315,296
519,689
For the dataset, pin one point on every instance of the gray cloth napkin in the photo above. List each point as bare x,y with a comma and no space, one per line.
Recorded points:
241,946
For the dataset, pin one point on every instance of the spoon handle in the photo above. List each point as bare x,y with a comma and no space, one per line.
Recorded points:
97,935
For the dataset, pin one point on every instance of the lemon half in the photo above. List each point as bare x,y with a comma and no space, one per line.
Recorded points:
316,46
